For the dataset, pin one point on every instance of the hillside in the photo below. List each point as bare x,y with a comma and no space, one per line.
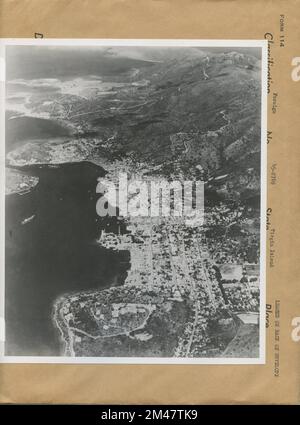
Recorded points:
189,110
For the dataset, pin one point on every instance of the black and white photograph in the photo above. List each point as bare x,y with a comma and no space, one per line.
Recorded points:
135,201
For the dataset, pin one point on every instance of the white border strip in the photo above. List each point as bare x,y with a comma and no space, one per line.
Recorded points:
107,42
2,198
131,360
263,44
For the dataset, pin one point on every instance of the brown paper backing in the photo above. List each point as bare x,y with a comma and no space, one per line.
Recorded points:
187,384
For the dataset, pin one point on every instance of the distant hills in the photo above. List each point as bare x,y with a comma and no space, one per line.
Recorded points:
183,109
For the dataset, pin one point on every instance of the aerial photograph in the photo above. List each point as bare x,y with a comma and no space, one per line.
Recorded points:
95,266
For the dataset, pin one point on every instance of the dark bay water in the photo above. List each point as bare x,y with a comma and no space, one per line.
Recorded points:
54,253
22,129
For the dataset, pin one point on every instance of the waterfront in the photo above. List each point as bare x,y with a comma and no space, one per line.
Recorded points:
53,253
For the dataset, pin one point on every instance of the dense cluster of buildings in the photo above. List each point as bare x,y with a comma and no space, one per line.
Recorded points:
167,253
171,261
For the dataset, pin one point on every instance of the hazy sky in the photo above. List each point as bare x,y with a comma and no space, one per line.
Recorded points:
29,62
